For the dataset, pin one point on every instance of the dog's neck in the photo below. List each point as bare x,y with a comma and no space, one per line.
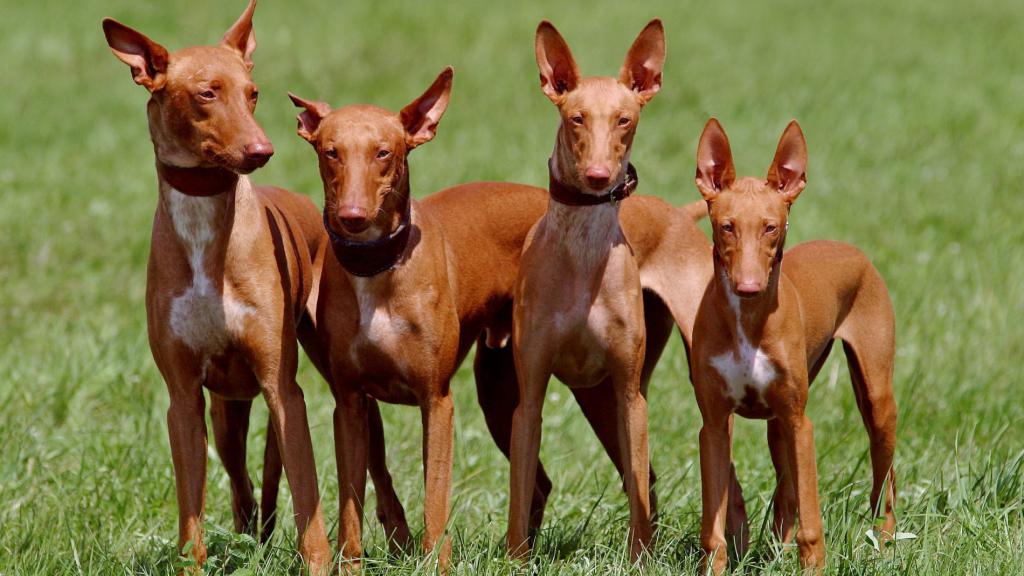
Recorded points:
201,212
586,232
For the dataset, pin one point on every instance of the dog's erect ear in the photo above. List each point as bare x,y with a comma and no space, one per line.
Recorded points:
147,59
715,171
641,72
558,71
788,172
312,114
241,37
421,117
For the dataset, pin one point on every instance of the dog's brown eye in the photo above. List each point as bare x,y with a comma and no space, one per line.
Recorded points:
577,120
770,229
331,153
624,121
382,154
207,94
255,96
727,227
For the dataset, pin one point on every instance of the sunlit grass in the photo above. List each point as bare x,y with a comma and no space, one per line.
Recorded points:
913,116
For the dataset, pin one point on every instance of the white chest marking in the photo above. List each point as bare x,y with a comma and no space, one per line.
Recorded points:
201,317
746,366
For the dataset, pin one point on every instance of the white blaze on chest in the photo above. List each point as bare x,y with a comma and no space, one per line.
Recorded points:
745,366
202,317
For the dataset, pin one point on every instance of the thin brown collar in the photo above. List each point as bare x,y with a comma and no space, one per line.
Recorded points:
367,259
572,196
197,181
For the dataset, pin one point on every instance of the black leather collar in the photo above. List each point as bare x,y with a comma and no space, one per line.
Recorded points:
572,196
367,259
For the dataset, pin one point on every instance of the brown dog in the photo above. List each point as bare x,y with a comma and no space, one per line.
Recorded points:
578,308
231,268
388,313
765,328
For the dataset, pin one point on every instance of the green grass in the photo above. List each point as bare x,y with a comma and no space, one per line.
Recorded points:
913,115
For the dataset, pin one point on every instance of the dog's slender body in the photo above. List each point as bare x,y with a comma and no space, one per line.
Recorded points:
233,274
387,314
764,330
578,304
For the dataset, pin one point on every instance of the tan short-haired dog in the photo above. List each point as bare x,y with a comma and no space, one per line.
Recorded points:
578,306
232,268
763,331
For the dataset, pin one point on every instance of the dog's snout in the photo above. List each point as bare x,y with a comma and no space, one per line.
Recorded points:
598,176
258,152
353,218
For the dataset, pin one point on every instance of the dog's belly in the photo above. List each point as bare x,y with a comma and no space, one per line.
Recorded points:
229,376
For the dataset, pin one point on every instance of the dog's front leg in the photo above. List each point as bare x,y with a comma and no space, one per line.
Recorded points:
715,462
525,449
632,414
438,434
186,427
350,443
275,366
798,436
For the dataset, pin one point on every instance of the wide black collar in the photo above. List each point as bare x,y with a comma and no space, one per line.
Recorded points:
197,181
367,259
573,196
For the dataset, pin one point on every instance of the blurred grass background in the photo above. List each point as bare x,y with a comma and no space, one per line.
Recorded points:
913,114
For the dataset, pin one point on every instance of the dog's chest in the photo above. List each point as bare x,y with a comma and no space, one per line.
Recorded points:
746,369
206,316
390,335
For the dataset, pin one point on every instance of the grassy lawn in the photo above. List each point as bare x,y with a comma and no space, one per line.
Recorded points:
914,118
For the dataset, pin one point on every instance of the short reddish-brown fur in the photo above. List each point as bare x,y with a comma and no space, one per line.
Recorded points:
230,274
783,312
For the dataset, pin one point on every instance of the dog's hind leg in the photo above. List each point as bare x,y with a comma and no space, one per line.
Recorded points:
230,427
498,396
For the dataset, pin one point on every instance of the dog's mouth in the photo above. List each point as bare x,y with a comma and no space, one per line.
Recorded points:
238,163
250,165
748,295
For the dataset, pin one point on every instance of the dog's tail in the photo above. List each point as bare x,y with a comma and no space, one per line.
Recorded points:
696,210
272,467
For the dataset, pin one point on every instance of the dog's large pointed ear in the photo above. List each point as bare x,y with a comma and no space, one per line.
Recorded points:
788,172
641,72
241,37
558,71
313,112
715,170
422,115
147,59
